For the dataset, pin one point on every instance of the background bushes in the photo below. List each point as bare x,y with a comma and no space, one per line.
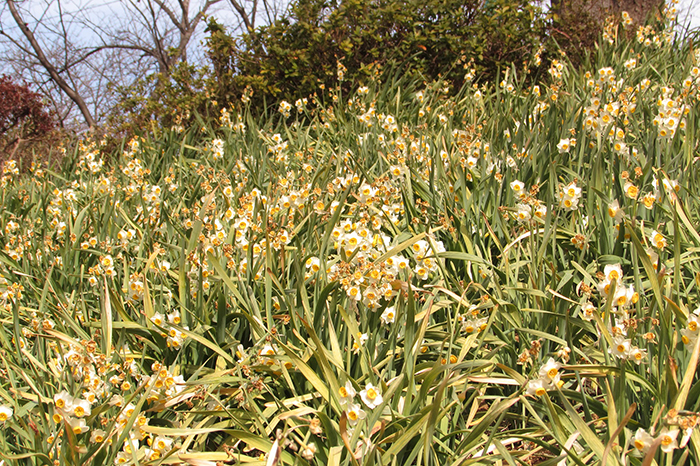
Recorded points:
293,56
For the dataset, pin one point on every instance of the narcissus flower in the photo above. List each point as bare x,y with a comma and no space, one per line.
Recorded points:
620,347
657,239
564,145
668,440
588,311
347,393
389,315
355,413
524,212
5,413
642,441
631,190
518,188
371,397
615,211
536,387
549,372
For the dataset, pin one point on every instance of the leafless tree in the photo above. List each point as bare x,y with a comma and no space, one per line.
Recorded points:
74,54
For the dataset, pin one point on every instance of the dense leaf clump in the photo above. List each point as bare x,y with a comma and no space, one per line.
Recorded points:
320,41
23,115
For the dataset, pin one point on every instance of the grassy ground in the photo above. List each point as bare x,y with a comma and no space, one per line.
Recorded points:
508,275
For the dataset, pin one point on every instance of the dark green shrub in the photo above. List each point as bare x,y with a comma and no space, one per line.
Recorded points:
292,57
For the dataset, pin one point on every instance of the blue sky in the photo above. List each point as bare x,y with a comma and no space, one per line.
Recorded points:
691,8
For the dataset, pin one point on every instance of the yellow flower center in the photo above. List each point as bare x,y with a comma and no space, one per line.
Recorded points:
79,411
666,440
540,391
620,348
343,392
692,326
352,415
371,394
3,417
552,372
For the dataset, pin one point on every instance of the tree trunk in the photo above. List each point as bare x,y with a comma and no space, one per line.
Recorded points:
50,68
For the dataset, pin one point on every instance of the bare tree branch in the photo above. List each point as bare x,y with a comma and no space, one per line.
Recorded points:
77,55
65,87
243,15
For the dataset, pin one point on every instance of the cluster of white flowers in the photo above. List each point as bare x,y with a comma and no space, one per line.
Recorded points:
225,120
341,71
285,108
175,336
71,410
216,147
370,396
569,196
667,438
565,145
549,378
556,69
91,161
670,113
689,334
301,105
165,384
278,148
624,296
389,124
